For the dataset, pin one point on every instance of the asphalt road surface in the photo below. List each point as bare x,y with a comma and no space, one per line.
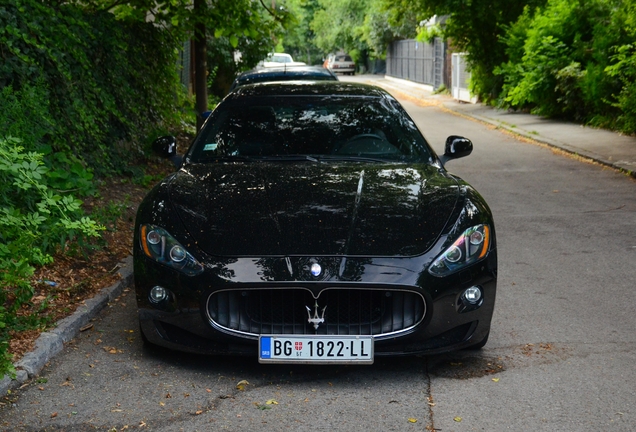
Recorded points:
561,355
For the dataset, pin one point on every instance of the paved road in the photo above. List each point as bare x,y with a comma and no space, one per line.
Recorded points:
560,357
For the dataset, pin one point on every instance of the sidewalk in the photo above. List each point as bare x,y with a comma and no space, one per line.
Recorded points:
607,148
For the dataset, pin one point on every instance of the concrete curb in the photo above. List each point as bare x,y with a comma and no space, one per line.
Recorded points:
52,342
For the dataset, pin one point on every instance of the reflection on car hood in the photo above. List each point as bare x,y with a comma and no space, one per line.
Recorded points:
257,209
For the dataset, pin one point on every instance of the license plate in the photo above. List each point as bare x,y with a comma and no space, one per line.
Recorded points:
316,349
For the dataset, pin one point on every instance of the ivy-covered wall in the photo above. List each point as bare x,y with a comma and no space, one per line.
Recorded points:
80,94
96,86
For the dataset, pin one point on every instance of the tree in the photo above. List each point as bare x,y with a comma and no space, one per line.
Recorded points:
337,25
476,27
378,32
198,18
360,27
299,38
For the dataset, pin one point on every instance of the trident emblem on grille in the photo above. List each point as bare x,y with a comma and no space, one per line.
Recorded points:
316,320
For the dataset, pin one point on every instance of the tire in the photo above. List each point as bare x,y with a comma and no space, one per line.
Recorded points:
480,344
144,339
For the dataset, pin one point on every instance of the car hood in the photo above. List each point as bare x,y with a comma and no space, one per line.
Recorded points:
283,209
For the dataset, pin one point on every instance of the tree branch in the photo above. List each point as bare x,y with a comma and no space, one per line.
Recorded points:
272,13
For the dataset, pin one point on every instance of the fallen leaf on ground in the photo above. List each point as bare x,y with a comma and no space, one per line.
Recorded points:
457,419
54,415
271,402
241,385
412,420
495,379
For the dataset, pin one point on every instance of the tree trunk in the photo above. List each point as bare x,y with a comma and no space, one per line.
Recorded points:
200,64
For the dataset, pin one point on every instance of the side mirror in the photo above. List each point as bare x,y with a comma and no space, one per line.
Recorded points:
166,147
456,147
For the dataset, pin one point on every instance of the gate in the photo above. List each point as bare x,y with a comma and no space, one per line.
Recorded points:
461,79
417,61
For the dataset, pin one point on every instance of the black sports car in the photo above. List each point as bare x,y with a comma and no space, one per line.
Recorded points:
312,222
283,73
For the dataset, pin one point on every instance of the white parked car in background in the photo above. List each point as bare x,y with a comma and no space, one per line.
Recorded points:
341,63
280,59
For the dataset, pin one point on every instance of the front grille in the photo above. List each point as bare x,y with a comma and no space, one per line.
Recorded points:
284,311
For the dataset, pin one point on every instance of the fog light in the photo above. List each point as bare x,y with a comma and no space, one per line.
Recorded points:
158,294
472,295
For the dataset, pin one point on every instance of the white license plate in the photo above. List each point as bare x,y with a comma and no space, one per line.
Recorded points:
315,349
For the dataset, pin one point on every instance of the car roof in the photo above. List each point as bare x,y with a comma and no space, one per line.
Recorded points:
283,73
307,88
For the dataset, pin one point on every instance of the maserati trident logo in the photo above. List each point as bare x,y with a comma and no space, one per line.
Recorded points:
316,320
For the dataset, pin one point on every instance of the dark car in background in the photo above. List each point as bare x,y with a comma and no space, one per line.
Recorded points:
313,223
284,73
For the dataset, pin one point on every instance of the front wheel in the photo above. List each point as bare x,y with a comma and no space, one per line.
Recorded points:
480,344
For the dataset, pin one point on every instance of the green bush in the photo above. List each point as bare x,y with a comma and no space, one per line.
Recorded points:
34,221
623,65
625,70
80,93
573,60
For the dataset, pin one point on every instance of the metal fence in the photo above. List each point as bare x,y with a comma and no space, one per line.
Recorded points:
424,63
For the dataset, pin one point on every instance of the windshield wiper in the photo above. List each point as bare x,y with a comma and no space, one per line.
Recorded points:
291,158
354,158
230,158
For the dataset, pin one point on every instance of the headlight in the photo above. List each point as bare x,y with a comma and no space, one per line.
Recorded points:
165,249
469,248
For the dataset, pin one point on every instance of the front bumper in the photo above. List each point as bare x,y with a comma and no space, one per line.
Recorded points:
409,310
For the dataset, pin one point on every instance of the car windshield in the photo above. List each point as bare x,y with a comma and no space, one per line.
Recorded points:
310,128
280,58
283,76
